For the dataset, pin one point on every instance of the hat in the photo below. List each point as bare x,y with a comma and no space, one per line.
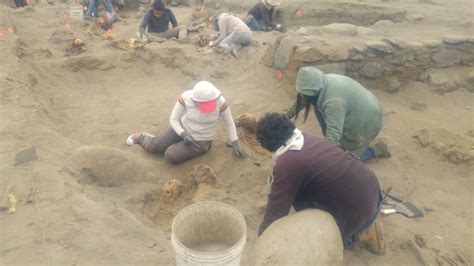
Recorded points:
205,95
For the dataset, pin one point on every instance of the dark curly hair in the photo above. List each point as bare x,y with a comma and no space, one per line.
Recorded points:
273,130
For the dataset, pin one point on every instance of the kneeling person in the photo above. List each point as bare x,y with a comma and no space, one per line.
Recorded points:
194,123
156,23
311,172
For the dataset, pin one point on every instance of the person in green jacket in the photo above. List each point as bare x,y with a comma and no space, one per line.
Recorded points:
349,115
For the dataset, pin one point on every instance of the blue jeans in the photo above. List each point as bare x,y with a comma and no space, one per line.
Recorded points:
19,3
256,25
93,4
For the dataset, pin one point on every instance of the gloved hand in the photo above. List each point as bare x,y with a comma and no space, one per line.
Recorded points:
238,151
187,139
144,39
278,26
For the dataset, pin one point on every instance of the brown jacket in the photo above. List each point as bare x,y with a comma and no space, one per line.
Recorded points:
323,174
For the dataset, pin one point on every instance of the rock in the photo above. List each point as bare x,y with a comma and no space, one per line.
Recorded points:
446,87
341,28
380,46
283,53
26,155
339,55
142,9
459,154
433,43
417,106
396,42
393,85
372,70
382,24
423,77
302,31
437,79
423,138
334,68
366,31
414,18
286,241
420,241
358,49
357,57
308,54
454,39
446,58
449,87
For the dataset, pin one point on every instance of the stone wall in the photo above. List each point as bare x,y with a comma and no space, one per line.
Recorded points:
390,62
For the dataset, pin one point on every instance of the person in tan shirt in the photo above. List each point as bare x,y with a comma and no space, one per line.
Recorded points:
233,33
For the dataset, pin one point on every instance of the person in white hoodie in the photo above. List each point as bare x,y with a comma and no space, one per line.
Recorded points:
194,123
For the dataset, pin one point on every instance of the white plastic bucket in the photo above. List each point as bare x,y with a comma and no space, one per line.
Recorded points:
208,233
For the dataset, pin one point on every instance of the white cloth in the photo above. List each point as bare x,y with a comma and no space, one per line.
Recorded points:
295,143
201,126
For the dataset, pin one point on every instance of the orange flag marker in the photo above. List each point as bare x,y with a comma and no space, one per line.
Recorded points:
298,12
279,74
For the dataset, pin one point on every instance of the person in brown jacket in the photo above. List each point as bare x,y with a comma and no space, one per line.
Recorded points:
311,172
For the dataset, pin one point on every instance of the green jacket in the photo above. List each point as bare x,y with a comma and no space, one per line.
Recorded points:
352,114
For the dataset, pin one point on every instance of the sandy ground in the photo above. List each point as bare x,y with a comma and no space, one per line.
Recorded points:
89,199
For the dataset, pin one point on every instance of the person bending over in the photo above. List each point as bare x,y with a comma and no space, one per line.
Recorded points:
311,172
349,115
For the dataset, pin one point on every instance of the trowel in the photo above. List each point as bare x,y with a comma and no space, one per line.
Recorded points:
407,209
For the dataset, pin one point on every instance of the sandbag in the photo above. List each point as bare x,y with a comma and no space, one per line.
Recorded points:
308,237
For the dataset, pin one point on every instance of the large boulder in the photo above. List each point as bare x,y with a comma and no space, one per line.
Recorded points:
308,237
283,53
341,28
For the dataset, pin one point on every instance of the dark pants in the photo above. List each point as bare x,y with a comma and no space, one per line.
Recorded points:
20,3
172,146
348,229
